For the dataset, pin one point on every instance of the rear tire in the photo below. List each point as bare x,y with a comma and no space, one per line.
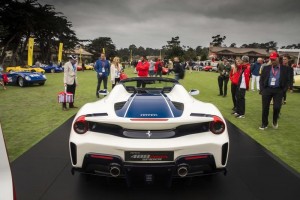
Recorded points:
43,83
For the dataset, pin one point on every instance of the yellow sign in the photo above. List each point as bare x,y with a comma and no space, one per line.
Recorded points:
30,51
60,49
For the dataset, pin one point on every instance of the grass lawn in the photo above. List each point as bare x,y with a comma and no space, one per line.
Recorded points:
29,114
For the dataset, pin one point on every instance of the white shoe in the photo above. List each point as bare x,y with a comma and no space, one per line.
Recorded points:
262,127
275,126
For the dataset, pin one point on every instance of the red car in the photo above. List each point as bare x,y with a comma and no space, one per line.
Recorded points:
207,68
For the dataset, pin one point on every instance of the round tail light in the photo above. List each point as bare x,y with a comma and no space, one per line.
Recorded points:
217,126
81,125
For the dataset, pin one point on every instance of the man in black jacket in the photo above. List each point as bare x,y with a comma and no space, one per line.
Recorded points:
273,81
224,70
178,69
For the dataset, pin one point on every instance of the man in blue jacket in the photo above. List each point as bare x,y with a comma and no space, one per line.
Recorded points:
255,73
102,67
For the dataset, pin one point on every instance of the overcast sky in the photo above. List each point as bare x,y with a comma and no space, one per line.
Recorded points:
150,23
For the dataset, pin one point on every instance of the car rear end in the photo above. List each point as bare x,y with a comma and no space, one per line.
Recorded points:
194,147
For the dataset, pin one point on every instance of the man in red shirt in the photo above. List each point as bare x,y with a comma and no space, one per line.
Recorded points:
142,69
158,68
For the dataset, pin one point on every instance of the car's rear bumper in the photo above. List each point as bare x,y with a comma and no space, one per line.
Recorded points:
114,166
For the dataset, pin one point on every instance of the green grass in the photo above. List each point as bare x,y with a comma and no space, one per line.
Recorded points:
29,114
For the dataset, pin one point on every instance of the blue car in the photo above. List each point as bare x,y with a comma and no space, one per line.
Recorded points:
52,68
26,78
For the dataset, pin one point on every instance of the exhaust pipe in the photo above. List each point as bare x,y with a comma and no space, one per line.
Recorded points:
115,171
182,171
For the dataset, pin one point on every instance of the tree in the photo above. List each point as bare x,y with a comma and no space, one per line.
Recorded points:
21,20
291,46
233,45
190,54
173,48
217,40
97,45
267,45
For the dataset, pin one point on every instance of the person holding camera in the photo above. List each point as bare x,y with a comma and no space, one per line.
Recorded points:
224,70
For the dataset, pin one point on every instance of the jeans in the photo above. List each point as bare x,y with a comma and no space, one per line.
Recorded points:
222,80
100,79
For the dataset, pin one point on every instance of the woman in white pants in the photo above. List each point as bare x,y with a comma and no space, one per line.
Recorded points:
255,74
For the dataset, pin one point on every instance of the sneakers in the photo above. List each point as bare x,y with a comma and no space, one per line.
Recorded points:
275,125
263,127
235,113
240,116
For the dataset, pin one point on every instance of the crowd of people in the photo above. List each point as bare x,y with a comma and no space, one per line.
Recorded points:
272,78
105,69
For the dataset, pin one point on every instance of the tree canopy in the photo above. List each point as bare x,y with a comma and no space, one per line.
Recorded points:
21,20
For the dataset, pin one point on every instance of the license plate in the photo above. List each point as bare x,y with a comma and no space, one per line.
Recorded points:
149,155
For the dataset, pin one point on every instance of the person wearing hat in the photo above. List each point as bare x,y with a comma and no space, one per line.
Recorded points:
273,81
70,79
242,87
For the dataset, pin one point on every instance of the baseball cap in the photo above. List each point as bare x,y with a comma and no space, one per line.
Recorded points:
274,55
73,57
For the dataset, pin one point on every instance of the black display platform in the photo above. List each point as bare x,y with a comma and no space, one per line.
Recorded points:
43,172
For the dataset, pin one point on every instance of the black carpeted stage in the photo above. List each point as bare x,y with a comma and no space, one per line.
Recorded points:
44,172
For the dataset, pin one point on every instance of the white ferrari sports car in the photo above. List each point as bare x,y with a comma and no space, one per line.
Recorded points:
157,129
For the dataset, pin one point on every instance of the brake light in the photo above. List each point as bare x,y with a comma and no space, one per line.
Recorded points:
196,157
217,126
81,125
102,157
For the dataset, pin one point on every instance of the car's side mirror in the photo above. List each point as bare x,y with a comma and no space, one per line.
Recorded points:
194,92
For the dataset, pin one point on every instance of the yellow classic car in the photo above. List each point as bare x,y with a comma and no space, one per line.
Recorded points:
25,69
88,67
